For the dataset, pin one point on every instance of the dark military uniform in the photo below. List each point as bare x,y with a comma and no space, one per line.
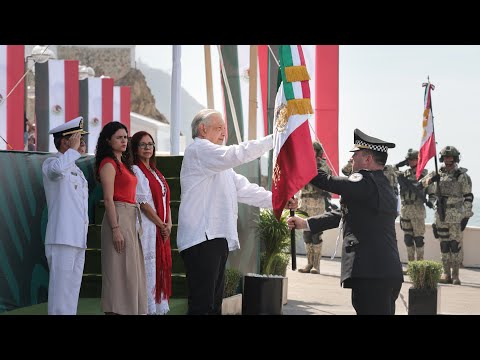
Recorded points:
370,259
388,170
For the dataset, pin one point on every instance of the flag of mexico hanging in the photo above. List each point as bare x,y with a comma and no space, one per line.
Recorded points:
427,144
294,162
96,107
56,98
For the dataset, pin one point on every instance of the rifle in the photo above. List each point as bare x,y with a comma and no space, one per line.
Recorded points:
441,203
407,184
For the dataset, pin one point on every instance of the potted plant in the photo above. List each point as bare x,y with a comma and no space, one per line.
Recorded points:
274,236
232,296
422,296
266,293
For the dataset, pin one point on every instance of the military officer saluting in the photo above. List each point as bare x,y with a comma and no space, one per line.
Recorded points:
412,213
370,261
66,191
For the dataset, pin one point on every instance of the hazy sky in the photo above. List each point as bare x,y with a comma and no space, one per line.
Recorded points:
381,93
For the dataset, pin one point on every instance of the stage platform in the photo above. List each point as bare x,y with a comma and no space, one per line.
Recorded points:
91,306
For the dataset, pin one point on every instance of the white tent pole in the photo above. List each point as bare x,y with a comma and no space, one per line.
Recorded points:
208,75
175,100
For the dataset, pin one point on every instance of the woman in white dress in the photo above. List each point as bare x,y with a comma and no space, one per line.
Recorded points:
153,195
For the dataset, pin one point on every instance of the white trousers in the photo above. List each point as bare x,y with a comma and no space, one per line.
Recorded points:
66,269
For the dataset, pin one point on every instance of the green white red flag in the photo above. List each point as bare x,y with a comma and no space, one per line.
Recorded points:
427,144
294,162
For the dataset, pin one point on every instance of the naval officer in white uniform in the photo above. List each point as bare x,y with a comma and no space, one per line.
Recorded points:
66,191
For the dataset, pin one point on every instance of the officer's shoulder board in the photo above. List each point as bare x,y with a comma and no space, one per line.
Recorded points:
355,177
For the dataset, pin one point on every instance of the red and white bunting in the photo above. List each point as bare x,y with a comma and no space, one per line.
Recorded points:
12,119
121,105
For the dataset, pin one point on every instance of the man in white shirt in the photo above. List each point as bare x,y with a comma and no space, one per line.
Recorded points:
66,191
207,221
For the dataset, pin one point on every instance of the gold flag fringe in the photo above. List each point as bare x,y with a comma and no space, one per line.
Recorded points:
296,73
299,107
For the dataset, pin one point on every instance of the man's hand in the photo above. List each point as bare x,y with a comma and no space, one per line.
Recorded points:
74,141
464,223
434,178
296,222
401,163
292,204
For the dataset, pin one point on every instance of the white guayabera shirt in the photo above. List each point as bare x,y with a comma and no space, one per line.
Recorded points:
211,190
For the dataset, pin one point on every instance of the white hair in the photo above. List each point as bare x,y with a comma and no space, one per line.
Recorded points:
202,117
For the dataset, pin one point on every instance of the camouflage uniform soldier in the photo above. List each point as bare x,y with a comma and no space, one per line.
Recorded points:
313,202
412,212
347,169
453,197
391,175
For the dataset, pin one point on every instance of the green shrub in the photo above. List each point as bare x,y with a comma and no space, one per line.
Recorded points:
275,239
424,274
232,282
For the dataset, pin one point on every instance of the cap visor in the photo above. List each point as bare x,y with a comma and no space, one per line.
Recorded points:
82,132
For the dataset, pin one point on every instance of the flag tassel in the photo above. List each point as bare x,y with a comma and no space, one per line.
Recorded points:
299,107
296,73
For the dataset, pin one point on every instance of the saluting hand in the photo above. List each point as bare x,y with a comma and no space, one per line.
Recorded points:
74,141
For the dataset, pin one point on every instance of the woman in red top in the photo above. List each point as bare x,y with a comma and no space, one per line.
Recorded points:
124,289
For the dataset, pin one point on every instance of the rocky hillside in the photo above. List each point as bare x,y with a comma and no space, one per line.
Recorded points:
142,100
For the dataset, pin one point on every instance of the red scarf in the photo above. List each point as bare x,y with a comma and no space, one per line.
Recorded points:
163,253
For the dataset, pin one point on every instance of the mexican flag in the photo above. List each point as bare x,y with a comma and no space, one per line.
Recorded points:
56,98
96,107
427,144
294,162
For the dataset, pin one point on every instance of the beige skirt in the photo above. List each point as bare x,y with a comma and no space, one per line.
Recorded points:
124,284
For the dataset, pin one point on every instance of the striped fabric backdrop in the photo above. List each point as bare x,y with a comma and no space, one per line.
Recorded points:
56,98
121,105
96,107
12,108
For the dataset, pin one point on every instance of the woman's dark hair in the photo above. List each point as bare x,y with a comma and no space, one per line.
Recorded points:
104,149
135,142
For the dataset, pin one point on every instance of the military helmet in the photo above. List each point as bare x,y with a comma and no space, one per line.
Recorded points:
318,148
450,151
411,154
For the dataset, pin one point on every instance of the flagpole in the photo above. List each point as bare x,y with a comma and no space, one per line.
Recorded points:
252,109
293,245
175,104
208,76
440,206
